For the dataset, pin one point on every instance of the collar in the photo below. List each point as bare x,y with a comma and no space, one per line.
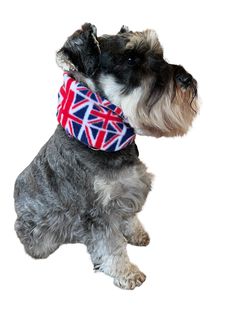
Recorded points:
92,119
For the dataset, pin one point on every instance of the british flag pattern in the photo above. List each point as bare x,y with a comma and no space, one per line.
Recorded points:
92,119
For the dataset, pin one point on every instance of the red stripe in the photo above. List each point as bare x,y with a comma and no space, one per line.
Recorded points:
99,99
62,91
105,115
98,109
68,85
89,93
88,136
107,120
106,102
110,140
73,118
118,110
70,127
116,127
129,141
95,121
67,106
79,103
81,88
100,139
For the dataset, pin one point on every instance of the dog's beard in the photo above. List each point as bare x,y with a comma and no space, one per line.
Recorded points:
155,112
171,114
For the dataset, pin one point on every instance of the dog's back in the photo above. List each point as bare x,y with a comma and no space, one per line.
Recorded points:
50,197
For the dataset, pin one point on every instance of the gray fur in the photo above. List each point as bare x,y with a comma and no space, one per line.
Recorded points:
56,203
73,194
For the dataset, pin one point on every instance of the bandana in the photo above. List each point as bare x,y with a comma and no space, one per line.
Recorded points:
92,119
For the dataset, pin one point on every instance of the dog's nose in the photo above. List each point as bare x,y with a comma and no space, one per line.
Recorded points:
184,79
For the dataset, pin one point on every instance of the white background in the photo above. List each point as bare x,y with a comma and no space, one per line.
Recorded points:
190,214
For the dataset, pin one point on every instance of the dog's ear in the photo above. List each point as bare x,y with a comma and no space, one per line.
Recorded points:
81,51
124,29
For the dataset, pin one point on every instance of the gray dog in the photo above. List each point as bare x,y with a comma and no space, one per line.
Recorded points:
77,192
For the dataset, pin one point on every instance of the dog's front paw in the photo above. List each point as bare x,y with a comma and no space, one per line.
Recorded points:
132,280
139,239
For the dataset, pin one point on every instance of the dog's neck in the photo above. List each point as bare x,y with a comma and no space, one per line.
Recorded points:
92,119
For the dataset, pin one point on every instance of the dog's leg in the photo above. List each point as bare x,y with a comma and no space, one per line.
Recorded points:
134,232
108,253
37,242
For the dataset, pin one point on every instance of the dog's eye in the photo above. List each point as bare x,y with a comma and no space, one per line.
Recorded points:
131,60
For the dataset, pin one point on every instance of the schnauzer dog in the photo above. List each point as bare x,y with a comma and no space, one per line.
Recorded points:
76,192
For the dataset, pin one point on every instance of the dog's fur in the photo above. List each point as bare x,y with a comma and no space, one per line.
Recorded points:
71,193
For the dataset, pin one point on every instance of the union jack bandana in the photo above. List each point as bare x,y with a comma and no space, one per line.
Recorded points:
92,119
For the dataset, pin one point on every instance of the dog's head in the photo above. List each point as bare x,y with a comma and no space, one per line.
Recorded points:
157,98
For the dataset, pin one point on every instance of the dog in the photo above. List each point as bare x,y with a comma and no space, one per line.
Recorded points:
74,192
